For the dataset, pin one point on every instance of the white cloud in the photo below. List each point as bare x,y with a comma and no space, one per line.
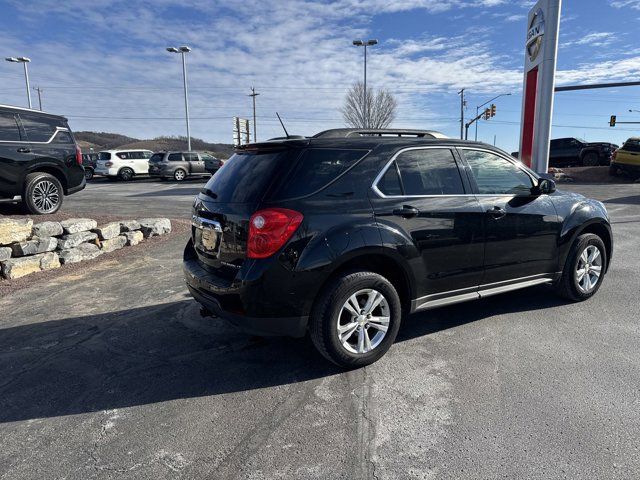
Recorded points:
596,39
635,4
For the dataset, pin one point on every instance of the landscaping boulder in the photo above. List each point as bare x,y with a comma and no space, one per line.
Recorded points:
133,238
14,230
129,225
75,239
152,227
47,229
19,267
84,251
114,244
49,261
108,231
5,253
75,225
33,246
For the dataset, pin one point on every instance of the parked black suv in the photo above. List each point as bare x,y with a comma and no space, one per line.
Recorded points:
342,236
89,162
565,152
39,159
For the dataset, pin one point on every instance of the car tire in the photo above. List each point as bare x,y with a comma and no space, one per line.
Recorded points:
179,175
365,338
590,160
125,174
582,259
88,174
43,193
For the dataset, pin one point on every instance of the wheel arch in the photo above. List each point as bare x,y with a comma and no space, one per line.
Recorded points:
604,232
51,170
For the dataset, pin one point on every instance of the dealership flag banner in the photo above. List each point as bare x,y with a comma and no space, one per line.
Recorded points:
541,50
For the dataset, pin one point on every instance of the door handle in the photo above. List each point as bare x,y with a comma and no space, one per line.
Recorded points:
24,150
407,211
497,212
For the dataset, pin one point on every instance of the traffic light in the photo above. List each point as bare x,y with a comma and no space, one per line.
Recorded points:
612,121
487,114
493,110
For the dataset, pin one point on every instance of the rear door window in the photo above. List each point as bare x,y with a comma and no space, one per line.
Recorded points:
317,168
39,128
245,177
632,145
9,130
175,157
431,171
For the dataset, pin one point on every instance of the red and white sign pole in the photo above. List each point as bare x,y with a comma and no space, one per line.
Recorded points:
539,82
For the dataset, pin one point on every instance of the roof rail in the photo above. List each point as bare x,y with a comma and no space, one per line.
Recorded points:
378,132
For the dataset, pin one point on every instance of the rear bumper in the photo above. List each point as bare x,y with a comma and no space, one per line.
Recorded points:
206,293
77,188
627,167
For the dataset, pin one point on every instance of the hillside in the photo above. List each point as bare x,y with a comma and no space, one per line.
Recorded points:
105,141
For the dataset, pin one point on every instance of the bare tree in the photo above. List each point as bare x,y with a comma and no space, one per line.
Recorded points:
380,108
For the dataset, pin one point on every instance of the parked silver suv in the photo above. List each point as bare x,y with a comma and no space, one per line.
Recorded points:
178,165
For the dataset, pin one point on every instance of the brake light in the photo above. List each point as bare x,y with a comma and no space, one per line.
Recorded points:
108,164
270,229
78,155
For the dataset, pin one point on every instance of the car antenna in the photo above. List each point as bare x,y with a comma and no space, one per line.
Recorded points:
283,127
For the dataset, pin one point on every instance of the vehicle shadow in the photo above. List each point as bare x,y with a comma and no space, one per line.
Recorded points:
164,352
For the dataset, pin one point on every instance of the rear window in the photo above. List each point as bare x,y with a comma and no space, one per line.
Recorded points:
315,169
245,176
38,127
63,138
156,157
632,145
104,156
9,131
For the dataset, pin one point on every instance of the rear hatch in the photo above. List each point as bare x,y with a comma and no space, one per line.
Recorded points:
103,157
220,223
156,162
629,153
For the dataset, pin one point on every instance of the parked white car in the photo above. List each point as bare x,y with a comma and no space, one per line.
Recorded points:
123,164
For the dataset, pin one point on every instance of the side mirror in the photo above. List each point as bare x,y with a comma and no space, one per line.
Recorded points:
545,186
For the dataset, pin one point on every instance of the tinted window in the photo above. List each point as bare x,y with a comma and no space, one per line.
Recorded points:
9,131
430,171
206,156
63,137
245,176
104,156
175,157
632,145
156,157
146,154
315,169
123,155
495,175
191,157
39,128
389,184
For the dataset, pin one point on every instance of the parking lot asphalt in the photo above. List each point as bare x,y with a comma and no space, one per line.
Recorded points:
111,372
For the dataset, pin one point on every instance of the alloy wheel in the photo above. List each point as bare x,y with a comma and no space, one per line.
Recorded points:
589,269
363,321
45,196
179,175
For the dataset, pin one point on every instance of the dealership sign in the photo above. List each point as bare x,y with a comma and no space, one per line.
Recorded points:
541,49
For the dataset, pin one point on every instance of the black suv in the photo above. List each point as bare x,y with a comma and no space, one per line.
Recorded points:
342,235
565,152
89,162
39,159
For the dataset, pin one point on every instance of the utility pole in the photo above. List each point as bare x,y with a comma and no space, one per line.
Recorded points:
39,90
462,105
253,94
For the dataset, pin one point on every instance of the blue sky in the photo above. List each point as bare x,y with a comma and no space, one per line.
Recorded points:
103,63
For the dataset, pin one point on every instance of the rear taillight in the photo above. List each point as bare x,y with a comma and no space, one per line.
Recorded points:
614,154
270,229
108,164
78,155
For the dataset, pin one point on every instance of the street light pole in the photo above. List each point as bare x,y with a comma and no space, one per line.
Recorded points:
182,50
39,90
254,95
485,103
365,103
23,61
462,105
